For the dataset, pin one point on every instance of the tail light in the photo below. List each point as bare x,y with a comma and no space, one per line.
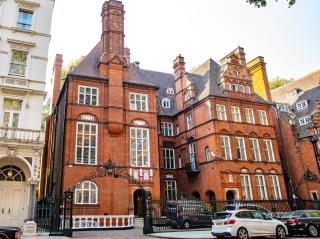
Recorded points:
229,222
293,221
17,235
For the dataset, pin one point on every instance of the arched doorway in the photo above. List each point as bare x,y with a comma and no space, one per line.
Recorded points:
138,203
196,195
13,196
230,195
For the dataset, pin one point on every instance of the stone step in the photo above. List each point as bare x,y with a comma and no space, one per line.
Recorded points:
138,222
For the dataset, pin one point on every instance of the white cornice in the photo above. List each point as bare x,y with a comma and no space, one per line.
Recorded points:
29,5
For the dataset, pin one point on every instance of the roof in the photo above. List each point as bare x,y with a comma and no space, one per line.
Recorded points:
204,78
307,88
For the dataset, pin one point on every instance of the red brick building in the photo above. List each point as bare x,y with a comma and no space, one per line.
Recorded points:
300,99
204,132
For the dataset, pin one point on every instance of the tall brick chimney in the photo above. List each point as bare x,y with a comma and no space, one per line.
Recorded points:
113,62
57,71
180,81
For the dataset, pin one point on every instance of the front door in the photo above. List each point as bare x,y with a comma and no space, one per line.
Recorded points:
13,197
13,203
138,203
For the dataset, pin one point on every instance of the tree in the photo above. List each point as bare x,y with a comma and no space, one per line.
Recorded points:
70,66
278,81
47,102
263,3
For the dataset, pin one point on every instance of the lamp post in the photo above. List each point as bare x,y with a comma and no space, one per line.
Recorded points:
282,151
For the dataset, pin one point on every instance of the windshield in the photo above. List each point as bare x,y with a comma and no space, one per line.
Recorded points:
221,215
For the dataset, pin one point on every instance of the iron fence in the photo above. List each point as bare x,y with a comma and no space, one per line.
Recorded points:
192,213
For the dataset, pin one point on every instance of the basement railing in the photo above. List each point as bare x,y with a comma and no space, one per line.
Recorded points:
19,134
102,222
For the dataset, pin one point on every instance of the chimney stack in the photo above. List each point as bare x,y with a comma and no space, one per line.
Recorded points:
57,72
179,66
127,54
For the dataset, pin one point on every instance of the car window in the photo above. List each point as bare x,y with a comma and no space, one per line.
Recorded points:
313,214
258,215
221,215
244,214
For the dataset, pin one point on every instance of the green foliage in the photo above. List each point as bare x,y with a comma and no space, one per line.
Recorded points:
278,81
70,66
45,112
263,3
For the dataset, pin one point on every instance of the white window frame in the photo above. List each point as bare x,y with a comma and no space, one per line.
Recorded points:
263,117
304,120
301,105
11,113
269,150
170,91
311,194
248,89
187,95
236,114
90,95
192,155
134,150
171,189
241,148
180,162
207,154
25,65
235,87
261,187
275,185
242,89
228,86
169,158
31,23
189,121
165,102
255,149
250,116
225,147
84,124
246,186
133,103
221,112
90,191
292,94
166,129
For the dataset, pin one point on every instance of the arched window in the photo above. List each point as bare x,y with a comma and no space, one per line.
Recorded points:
170,91
86,193
11,173
235,73
165,103
207,153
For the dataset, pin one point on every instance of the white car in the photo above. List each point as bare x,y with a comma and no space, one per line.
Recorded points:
244,224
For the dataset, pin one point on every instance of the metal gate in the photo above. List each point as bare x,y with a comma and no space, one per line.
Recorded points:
43,215
67,213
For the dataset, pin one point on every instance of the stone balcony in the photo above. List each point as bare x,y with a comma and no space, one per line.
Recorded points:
14,82
20,135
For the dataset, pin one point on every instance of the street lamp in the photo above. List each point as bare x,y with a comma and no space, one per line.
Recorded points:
110,167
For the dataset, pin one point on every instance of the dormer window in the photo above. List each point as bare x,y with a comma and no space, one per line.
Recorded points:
235,73
165,103
24,20
302,105
304,120
170,91
292,94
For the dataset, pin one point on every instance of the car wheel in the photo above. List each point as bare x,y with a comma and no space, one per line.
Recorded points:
280,232
186,224
242,233
312,230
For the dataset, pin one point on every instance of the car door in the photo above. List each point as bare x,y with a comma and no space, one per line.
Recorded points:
248,222
267,224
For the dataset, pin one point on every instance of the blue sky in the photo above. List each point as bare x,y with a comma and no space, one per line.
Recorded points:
156,31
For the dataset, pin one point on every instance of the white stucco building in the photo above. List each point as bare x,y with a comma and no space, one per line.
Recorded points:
24,41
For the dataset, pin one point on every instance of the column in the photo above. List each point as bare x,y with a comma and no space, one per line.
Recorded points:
32,201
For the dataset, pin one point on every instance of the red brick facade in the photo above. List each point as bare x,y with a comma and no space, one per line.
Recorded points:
111,113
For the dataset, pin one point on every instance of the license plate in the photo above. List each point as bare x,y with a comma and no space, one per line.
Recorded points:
219,224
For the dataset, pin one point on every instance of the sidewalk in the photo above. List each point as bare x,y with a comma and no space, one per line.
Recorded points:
184,234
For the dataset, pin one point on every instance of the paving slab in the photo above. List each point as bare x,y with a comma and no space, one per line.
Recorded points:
184,234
